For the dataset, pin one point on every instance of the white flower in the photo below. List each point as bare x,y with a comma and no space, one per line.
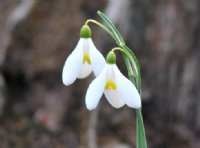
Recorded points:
82,61
116,87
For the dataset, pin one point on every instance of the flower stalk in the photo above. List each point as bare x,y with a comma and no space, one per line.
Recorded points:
101,26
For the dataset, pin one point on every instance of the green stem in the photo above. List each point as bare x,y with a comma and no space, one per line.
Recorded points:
138,143
101,26
140,131
120,49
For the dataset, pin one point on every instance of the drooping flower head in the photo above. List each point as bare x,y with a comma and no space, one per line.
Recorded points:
117,88
84,59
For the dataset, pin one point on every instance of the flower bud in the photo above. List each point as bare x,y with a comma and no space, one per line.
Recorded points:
85,32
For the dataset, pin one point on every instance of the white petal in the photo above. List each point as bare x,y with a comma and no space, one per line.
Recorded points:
85,44
86,69
127,90
97,59
114,98
73,65
95,91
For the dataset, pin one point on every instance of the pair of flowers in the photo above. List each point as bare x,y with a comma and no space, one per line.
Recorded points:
109,80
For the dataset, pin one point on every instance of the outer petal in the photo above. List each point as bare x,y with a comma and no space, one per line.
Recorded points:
85,44
114,98
85,71
127,90
95,90
73,65
97,60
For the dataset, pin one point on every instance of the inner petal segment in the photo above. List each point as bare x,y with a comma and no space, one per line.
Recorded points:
110,85
86,58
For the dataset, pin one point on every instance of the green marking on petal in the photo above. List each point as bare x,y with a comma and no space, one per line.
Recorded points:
110,85
86,58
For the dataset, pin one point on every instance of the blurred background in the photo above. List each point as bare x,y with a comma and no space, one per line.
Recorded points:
38,111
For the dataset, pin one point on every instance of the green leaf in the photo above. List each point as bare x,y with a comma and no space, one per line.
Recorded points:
141,137
136,66
107,21
131,74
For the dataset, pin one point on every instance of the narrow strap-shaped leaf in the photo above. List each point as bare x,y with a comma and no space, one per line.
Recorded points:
131,74
107,21
136,65
140,127
132,60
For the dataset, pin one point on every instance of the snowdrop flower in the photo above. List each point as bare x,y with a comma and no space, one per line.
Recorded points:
117,88
83,60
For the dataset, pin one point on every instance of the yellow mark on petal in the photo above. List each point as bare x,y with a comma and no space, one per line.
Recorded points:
86,58
110,85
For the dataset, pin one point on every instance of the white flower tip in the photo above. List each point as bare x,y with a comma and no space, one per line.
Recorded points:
134,106
119,106
65,79
66,82
136,103
90,106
